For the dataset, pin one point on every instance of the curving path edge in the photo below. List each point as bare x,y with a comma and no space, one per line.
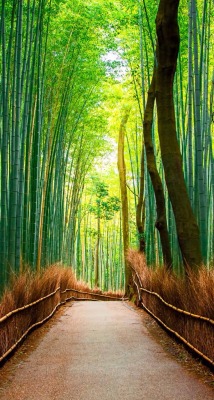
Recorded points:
101,350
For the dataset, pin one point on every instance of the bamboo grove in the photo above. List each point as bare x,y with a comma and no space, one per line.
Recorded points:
70,70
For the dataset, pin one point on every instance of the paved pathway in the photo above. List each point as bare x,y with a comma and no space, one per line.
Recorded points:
101,351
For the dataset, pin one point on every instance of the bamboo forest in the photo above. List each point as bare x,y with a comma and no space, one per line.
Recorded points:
106,196
106,137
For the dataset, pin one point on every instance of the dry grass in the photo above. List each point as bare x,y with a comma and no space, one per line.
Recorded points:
30,287
194,294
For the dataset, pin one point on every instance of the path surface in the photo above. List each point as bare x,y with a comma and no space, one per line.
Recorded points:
101,351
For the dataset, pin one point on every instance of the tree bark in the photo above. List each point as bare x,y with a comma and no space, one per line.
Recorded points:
140,209
124,197
166,58
161,222
96,270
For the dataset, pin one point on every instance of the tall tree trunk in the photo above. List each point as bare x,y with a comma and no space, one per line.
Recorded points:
161,221
124,197
166,59
96,269
140,208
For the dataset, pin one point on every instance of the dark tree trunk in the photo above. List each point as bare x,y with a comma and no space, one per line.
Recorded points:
161,222
166,59
140,209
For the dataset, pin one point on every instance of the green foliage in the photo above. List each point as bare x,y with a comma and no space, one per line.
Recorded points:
105,206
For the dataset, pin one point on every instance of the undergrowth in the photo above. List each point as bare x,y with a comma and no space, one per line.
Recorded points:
193,293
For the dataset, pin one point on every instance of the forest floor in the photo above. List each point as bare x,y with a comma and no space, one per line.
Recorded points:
103,350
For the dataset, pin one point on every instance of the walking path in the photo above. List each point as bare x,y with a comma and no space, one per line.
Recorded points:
101,351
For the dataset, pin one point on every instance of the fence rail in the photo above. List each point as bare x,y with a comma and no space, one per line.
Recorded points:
140,289
102,296
11,320
13,347
179,310
27,306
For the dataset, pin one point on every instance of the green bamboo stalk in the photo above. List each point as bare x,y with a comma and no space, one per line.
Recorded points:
190,108
4,154
15,144
198,137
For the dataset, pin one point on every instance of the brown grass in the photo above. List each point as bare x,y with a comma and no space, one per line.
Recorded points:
194,294
30,287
